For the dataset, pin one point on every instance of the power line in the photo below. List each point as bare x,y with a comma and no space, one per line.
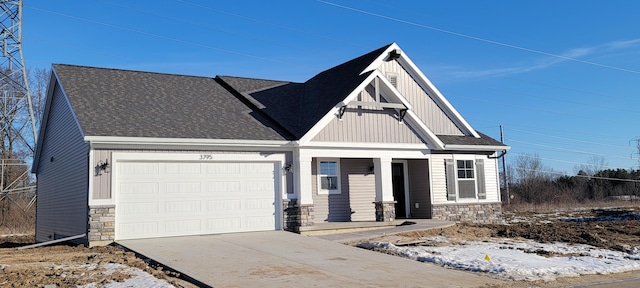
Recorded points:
578,176
568,150
480,39
570,139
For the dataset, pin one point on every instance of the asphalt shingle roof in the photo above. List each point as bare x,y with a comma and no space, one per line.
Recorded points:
111,102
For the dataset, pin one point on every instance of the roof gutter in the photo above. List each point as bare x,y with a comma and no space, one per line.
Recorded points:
476,147
106,142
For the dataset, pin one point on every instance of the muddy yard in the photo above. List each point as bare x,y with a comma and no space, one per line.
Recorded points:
72,266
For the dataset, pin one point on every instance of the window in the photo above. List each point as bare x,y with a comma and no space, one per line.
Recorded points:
328,177
466,179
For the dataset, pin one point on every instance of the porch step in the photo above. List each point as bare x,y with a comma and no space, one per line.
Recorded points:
326,228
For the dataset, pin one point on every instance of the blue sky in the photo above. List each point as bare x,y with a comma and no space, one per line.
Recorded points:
562,77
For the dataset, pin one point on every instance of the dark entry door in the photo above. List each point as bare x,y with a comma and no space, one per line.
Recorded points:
397,172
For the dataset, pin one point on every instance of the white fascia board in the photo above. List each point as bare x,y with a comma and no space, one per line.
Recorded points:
393,90
425,131
475,147
334,111
426,84
376,63
362,145
103,142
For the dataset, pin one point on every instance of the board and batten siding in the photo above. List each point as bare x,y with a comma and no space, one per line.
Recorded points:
63,186
102,184
423,105
419,191
331,207
368,126
361,186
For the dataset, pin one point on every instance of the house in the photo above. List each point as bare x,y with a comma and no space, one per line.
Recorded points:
128,154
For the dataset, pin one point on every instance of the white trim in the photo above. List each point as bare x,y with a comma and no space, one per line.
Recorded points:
475,147
427,86
366,145
364,153
115,140
376,63
319,177
279,159
334,111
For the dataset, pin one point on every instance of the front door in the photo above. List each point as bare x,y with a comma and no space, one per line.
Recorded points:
397,172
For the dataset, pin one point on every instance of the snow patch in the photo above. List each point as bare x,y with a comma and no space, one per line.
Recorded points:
510,259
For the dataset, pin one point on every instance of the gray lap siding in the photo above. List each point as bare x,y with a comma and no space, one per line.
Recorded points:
62,205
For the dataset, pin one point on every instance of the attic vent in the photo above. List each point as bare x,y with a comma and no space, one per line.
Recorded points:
393,78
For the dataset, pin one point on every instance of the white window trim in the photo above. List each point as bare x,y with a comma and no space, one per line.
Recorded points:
475,179
319,177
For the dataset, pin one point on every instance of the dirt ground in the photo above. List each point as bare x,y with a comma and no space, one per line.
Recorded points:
613,229
68,266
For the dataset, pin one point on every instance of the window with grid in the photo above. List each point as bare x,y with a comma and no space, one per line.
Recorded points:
329,177
466,179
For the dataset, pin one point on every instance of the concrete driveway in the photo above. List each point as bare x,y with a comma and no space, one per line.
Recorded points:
284,259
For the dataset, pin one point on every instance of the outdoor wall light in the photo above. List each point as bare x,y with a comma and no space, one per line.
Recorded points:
103,167
288,168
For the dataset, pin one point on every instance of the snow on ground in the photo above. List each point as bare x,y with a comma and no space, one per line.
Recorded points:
140,279
518,259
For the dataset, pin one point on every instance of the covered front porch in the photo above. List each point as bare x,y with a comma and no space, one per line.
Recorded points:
359,192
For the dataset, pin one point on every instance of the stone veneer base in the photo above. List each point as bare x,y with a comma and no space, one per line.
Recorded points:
469,212
101,224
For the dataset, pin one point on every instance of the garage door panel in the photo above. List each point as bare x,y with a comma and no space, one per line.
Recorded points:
223,186
224,205
224,224
223,168
150,209
142,229
180,227
190,199
182,207
178,189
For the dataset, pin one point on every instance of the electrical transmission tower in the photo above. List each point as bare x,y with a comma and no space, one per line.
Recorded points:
17,125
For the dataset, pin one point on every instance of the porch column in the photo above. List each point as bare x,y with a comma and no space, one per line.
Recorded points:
385,204
301,213
302,179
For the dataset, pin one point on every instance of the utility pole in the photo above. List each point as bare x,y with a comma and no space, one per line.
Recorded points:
504,169
637,140
17,123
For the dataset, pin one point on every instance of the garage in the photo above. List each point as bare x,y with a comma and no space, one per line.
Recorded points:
179,198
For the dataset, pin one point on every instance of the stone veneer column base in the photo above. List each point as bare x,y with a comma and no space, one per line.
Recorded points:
101,225
296,216
385,211
470,212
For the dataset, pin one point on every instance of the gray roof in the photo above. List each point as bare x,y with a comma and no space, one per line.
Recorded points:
299,106
484,140
111,102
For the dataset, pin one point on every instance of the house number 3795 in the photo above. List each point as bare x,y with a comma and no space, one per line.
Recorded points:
206,157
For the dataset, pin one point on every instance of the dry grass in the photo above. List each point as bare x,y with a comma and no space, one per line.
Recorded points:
15,219
567,206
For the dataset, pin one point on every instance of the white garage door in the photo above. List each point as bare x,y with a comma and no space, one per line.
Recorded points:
158,199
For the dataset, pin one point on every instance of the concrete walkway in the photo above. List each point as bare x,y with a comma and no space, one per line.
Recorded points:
283,259
408,226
